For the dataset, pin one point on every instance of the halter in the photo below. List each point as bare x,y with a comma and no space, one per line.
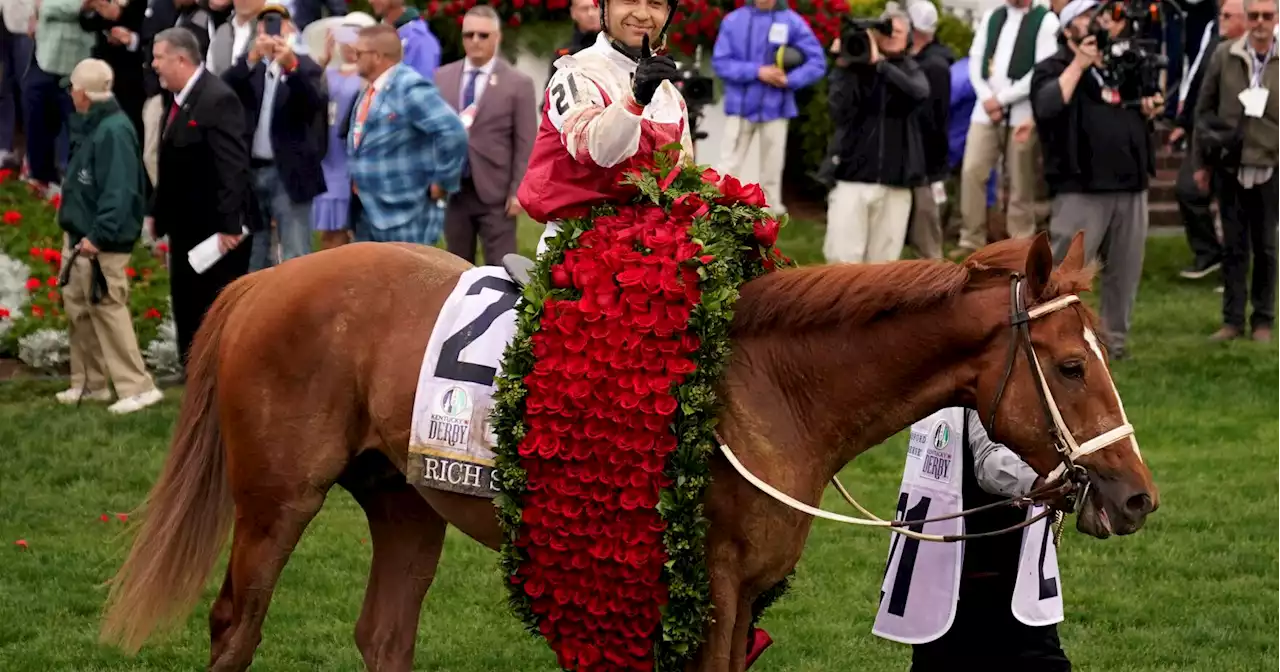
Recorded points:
1068,480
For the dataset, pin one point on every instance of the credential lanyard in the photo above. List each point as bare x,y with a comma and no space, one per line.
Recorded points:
1255,79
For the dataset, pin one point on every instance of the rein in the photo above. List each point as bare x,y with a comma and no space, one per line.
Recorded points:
1068,481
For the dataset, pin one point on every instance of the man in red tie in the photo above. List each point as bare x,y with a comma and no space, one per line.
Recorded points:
202,146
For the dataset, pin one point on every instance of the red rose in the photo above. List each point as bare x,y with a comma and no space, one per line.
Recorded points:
33,284
766,232
53,296
4,312
37,311
51,281
130,272
12,217
736,192
56,201
152,314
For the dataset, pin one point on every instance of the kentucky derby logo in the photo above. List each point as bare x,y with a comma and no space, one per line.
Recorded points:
937,461
454,401
450,425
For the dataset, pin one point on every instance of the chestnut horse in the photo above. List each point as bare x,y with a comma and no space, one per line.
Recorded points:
303,377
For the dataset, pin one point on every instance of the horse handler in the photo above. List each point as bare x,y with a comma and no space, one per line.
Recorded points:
981,604
101,213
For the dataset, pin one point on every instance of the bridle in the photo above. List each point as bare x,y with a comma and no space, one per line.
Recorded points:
1068,483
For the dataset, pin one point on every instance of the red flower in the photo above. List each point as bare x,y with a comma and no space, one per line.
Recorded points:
5,174
33,284
152,314
736,192
130,272
707,258
36,252
163,247
12,217
52,256
4,312
51,281
766,232
514,21
56,201
53,296
37,311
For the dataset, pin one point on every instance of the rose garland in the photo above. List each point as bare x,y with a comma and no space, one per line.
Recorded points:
605,416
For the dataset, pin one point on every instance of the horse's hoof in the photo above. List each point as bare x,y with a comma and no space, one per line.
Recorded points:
518,267
757,641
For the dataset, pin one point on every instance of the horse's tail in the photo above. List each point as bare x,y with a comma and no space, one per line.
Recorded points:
188,513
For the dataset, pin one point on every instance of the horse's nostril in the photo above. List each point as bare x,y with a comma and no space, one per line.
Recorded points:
1138,505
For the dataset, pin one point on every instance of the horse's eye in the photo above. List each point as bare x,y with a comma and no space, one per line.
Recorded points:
1072,368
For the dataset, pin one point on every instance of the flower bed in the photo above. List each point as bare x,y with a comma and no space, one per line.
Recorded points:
606,413
33,323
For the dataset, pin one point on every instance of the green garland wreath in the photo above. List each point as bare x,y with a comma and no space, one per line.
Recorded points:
737,240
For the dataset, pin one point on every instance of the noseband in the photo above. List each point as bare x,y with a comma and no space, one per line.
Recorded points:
1064,442
1068,482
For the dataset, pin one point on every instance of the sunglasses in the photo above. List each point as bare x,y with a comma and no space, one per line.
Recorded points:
1261,16
475,35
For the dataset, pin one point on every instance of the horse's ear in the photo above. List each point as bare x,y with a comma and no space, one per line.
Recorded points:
1074,260
1039,265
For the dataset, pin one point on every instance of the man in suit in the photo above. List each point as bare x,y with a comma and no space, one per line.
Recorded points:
498,107
405,147
204,178
286,129
161,15
114,24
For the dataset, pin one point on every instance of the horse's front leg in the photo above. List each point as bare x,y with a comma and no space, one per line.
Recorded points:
724,647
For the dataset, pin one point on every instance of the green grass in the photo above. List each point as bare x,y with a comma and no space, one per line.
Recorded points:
1195,590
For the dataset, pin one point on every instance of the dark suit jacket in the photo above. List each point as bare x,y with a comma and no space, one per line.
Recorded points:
501,138
162,15
127,65
204,167
299,122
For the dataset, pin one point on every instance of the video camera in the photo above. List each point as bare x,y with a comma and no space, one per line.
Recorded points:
855,38
1132,63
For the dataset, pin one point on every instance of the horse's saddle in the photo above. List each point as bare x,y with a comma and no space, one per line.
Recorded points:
518,267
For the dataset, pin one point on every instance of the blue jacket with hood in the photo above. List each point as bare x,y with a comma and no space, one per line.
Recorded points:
749,40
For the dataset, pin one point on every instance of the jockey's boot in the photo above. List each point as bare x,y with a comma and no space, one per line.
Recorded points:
518,267
757,641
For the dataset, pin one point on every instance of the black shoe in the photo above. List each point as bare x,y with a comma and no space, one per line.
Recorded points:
1199,270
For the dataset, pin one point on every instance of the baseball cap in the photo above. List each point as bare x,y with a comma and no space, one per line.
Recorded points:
923,15
91,75
1075,9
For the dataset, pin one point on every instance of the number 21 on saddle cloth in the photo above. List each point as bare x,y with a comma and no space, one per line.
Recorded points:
451,439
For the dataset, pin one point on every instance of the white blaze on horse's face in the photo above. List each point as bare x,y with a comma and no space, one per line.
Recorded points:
1092,340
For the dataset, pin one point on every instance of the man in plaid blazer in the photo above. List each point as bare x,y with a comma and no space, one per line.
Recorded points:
405,147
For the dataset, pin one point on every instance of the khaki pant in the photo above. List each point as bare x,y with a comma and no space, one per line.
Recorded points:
152,113
924,231
981,154
866,223
738,133
103,344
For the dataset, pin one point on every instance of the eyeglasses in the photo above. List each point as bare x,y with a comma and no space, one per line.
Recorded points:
475,35
1261,16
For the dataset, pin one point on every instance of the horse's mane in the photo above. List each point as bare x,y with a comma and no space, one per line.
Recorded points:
852,294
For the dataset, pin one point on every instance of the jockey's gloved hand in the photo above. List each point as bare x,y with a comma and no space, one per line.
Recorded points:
650,73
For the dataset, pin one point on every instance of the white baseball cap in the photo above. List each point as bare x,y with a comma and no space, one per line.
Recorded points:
1074,9
923,15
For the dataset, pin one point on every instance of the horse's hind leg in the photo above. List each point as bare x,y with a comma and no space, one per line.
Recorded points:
270,519
408,536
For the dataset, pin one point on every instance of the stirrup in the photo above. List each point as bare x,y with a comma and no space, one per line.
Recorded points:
518,267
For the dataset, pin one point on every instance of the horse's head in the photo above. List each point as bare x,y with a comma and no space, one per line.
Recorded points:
1045,390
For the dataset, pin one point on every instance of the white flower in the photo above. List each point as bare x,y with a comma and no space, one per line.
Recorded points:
13,284
162,352
45,349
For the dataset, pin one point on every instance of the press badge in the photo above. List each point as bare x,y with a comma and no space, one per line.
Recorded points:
1254,100
778,33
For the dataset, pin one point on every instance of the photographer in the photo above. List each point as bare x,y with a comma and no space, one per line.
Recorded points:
1098,159
876,94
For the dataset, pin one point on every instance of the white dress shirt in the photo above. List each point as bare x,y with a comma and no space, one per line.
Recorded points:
262,134
1013,95
181,96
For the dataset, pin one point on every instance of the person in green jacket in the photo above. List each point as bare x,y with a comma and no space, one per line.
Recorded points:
101,214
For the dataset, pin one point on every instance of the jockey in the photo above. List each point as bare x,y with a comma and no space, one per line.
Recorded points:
607,108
